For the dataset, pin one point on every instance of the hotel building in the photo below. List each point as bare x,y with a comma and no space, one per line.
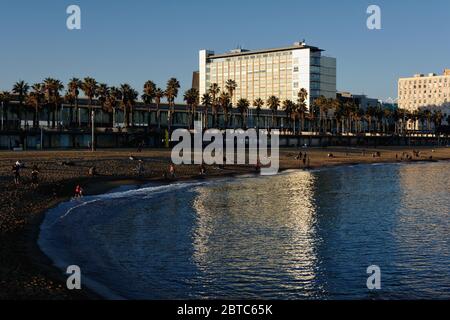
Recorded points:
279,72
425,92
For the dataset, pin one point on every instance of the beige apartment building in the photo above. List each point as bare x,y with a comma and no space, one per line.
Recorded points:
279,72
421,91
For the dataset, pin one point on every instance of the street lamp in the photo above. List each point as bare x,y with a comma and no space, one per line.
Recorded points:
93,129
2,115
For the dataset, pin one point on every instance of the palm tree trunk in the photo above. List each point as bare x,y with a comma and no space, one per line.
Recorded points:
78,112
113,117
54,116
158,116
36,116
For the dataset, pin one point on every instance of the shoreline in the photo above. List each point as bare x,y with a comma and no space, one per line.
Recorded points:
53,279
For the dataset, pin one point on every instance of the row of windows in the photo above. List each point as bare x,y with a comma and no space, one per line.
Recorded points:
413,92
250,57
436,85
424,81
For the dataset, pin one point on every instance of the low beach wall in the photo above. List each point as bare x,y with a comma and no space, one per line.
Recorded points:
70,140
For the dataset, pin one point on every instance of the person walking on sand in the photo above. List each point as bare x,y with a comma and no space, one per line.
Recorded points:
34,176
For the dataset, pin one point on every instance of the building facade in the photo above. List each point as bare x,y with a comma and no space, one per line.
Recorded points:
362,101
279,72
425,92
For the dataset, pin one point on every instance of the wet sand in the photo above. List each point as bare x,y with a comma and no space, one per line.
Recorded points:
26,273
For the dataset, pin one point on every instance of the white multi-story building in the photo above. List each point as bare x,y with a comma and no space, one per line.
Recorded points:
279,72
425,92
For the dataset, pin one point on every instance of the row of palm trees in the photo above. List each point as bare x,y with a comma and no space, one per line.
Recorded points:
48,93
324,115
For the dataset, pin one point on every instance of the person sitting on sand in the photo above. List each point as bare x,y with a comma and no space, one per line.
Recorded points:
78,191
202,170
34,176
92,171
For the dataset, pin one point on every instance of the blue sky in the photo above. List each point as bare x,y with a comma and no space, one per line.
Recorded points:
133,41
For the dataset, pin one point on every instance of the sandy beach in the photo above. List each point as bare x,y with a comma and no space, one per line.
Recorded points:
26,273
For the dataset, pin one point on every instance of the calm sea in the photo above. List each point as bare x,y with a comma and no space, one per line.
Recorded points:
298,235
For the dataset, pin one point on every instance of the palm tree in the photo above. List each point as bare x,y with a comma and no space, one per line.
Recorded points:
438,117
5,98
148,96
428,116
370,115
206,102
387,115
129,96
35,99
89,87
191,97
74,86
171,93
68,98
224,101
20,88
322,105
159,94
289,109
335,105
258,104
339,113
243,105
102,95
350,108
214,91
52,89
112,101
231,86
302,106
379,116
273,103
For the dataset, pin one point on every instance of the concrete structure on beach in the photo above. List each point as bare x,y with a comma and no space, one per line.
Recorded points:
279,72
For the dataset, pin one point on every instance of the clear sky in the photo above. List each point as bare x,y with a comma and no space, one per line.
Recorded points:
135,40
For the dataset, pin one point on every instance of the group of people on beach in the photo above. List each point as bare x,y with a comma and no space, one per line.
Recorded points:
409,157
18,167
304,158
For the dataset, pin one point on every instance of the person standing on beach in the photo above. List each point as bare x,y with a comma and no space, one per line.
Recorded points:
34,176
78,192
16,173
140,168
172,171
